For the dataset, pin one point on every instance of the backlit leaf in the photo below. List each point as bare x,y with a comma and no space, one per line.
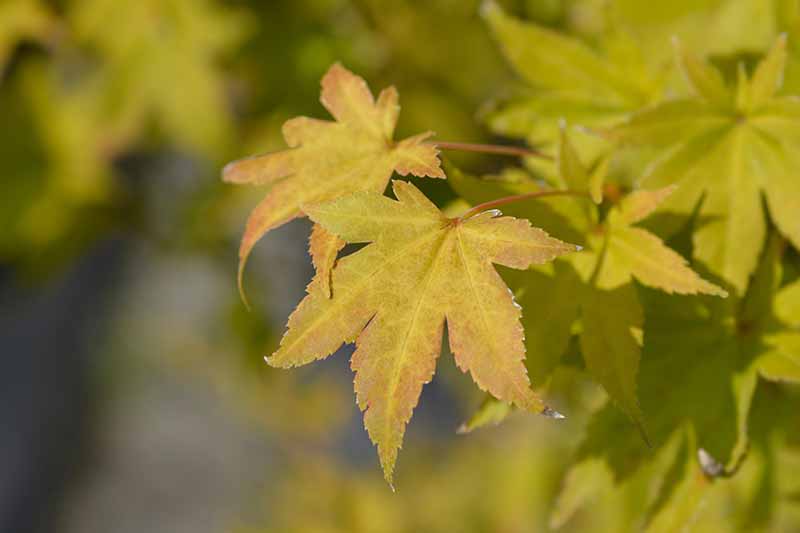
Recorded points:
611,343
700,364
329,159
726,152
597,287
567,79
392,299
491,412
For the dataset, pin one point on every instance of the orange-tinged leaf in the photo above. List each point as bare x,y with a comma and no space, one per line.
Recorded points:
327,159
323,248
394,296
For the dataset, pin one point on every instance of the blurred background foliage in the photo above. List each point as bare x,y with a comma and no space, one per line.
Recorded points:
117,116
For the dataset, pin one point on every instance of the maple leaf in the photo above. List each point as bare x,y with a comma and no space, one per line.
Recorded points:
393,297
596,286
183,41
725,148
329,159
700,386
566,79
706,375
673,490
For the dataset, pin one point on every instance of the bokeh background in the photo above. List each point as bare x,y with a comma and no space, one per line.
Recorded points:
133,393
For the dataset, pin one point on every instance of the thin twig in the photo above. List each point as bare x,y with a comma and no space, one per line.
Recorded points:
518,197
517,151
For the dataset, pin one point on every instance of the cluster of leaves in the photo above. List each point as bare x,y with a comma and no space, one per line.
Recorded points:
81,87
681,149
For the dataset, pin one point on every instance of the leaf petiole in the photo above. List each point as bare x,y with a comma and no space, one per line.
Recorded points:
517,151
492,204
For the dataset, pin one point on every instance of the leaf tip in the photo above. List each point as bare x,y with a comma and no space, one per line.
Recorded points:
388,472
272,361
549,412
235,171
227,172
336,69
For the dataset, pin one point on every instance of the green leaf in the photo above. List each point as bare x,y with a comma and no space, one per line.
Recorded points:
597,285
567,79
549,60
572,172
768,77
142,44
635,252
726,154
582,485
700,364
686,500
705,80
491,412
611,343
597,179
548,327
654,264
573,175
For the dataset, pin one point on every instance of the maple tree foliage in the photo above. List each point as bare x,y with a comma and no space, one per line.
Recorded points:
328,159
659,139
728,145
597,279
673,179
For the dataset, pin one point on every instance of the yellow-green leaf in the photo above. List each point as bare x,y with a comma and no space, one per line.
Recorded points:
654,264
548,328
393,297
491,412
567,79
636,252
329,159
726,154
768,77
611,343
705,80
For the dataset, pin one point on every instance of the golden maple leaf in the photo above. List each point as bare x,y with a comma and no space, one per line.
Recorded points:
327,159
393,296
